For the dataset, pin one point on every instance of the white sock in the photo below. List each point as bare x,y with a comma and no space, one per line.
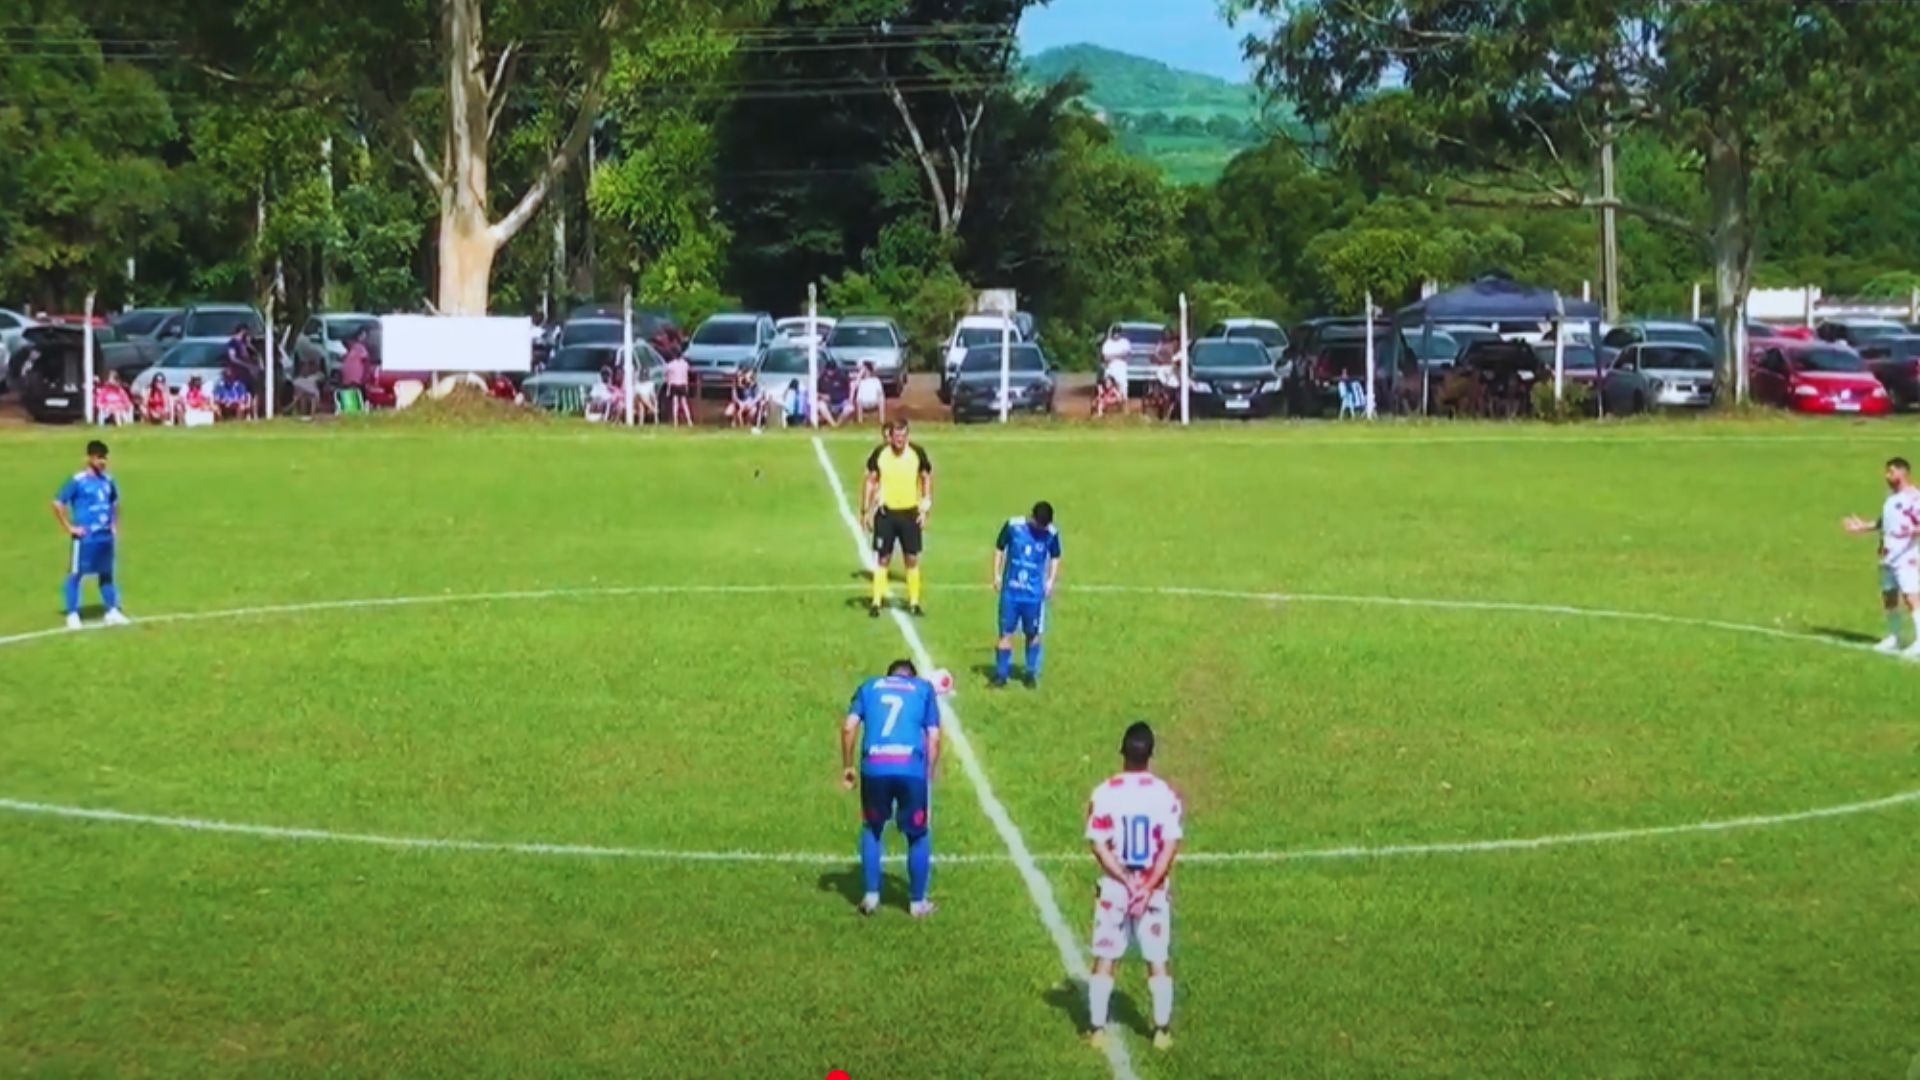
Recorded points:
1161,987
1099,994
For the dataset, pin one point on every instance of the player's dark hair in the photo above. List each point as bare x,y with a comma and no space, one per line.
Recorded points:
1136,746
1899,463
96,448
902,669
1042,513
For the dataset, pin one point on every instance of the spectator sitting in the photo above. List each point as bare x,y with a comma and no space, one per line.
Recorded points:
869,395
753,401
793,405
835,393
306,389
196,405
111,402
230,396
601,398
159,404
240,355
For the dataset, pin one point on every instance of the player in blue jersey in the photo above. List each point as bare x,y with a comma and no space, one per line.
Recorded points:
1026,564
88,509
894,722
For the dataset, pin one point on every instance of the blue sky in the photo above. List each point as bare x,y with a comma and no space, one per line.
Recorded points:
1187,34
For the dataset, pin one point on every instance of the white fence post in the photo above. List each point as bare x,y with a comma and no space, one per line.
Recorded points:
812,395
86,362
1560,349
1372,362
1186,367
626,363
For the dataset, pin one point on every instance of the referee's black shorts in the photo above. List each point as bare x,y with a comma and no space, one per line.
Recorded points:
892,527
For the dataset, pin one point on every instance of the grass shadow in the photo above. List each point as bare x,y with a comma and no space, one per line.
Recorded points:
1070,998
848,883
1853,636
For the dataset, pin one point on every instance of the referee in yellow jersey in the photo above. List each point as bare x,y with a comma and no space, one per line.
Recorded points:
895,504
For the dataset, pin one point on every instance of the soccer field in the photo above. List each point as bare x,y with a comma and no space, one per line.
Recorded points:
1507,752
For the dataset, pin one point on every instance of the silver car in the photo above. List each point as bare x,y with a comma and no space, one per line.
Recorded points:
872,340
1682,375
726,345
575,369
1144,340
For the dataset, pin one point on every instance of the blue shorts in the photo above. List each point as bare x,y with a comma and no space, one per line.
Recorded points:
93,556
902,798
1026,614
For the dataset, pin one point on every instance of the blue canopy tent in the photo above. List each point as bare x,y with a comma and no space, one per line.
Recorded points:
1492,299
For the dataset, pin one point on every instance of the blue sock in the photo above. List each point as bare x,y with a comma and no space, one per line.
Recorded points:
870,852
73,594
110,595
920,865
1003,664
1034,651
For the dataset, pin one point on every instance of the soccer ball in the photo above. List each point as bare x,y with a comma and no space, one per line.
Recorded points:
942,681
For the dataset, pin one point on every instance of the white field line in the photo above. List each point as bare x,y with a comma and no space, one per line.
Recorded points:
1038,887
1197,858
587,592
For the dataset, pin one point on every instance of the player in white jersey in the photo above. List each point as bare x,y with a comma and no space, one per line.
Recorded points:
1899,529
1133,823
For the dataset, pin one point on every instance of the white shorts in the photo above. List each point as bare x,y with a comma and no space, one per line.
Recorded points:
1112,930
1903,579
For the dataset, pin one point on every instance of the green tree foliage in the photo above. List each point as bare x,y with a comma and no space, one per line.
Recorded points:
1513,96
81,182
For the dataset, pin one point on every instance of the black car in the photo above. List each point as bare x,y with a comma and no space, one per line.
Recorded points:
48,369
1234,377
1895,361
976,386
1858,333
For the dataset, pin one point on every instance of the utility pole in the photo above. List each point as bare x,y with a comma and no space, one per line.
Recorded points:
1609,239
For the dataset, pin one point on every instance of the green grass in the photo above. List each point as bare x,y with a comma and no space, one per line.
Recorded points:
705,722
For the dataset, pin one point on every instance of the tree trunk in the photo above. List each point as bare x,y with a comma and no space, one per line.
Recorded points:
467,245
467,249
1730,241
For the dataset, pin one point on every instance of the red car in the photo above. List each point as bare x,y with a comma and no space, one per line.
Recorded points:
1815,377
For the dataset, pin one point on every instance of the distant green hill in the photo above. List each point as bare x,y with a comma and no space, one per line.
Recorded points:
1189,124
1123,83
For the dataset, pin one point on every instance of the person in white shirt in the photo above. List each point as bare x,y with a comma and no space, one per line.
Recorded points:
600,398
1115,352
869,395
1134,825
1899,529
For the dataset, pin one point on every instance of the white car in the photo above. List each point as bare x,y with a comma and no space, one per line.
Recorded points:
972,332
206,359
1265,331
794,329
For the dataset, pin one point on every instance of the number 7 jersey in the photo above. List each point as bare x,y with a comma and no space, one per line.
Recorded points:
894,715
1136,815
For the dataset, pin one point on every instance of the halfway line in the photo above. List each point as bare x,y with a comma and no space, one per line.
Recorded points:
1041,890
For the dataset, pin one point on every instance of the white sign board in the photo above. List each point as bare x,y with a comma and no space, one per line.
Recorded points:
455,343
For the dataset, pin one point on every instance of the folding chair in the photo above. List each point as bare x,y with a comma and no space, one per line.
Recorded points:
349,403
1353,401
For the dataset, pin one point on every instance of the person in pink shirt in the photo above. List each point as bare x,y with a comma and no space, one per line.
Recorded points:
680,390
111,402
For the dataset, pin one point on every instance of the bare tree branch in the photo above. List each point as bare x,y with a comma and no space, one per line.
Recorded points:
942,211
371,101
593,92
497,101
